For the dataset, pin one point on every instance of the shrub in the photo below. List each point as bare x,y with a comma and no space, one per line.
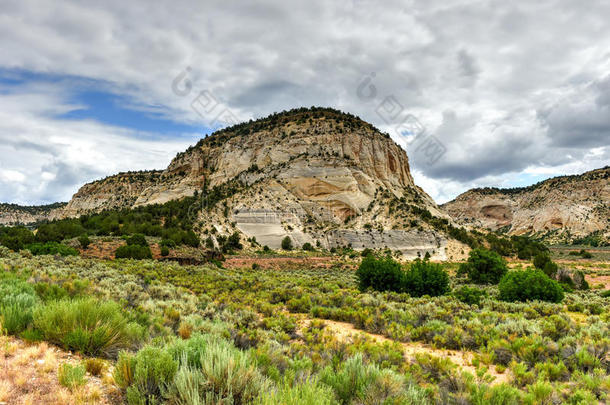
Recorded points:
308,247
16,238
169,243
585,255
349,383
51,248
164,251
212,370
190,238
137,240
367,252
71,376
287,243
124,370
483,267
529,285
425,278
550,269
133,252
233,242
540,260
88,325
145,375
84,241
468,295
17,298
309,392
94,366
355,382
383,274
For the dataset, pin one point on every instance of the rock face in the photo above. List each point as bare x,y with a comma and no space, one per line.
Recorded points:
321,177
315,175
12,214
114,192
561,209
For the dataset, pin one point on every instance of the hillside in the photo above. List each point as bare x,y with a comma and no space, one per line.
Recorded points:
13,214
316,175
113,192
561,209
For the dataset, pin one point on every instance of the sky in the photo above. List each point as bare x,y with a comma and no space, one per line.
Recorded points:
479,93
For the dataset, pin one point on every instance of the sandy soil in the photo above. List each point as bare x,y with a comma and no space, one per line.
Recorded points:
28,376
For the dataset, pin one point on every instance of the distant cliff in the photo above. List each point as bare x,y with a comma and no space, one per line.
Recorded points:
561,209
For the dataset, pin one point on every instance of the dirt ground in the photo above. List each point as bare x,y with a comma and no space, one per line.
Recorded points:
105,250
28,376
278,263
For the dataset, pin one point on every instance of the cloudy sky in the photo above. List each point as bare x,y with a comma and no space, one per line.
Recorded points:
504,93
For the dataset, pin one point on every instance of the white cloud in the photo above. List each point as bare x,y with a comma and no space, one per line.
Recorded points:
508,87
49,158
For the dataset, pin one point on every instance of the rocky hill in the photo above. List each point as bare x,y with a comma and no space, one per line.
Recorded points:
561,209
316,175
113,192
13,214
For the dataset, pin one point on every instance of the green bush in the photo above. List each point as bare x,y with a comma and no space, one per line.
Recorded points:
287,243
212,370
383,274
16,238
550,269
168,243
17,299
51,248
137,240
308,247
133,252
483,267
84,241
164,251
529,285
355,382
146,375
89,325
468,295
309,392
190,238
585,255
71,376
425,278
540,260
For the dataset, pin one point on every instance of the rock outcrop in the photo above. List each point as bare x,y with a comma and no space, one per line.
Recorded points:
561,209
13,214
113,192
316,175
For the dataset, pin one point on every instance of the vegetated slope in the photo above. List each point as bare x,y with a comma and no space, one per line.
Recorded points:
13,214
315,175
561,209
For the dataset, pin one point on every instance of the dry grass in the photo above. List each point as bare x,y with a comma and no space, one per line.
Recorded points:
28,375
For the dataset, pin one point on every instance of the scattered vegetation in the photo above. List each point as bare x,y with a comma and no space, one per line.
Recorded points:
201,334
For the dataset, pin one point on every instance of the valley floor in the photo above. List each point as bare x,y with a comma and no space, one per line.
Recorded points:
299,331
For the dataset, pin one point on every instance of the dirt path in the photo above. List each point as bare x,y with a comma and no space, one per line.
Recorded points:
344,332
